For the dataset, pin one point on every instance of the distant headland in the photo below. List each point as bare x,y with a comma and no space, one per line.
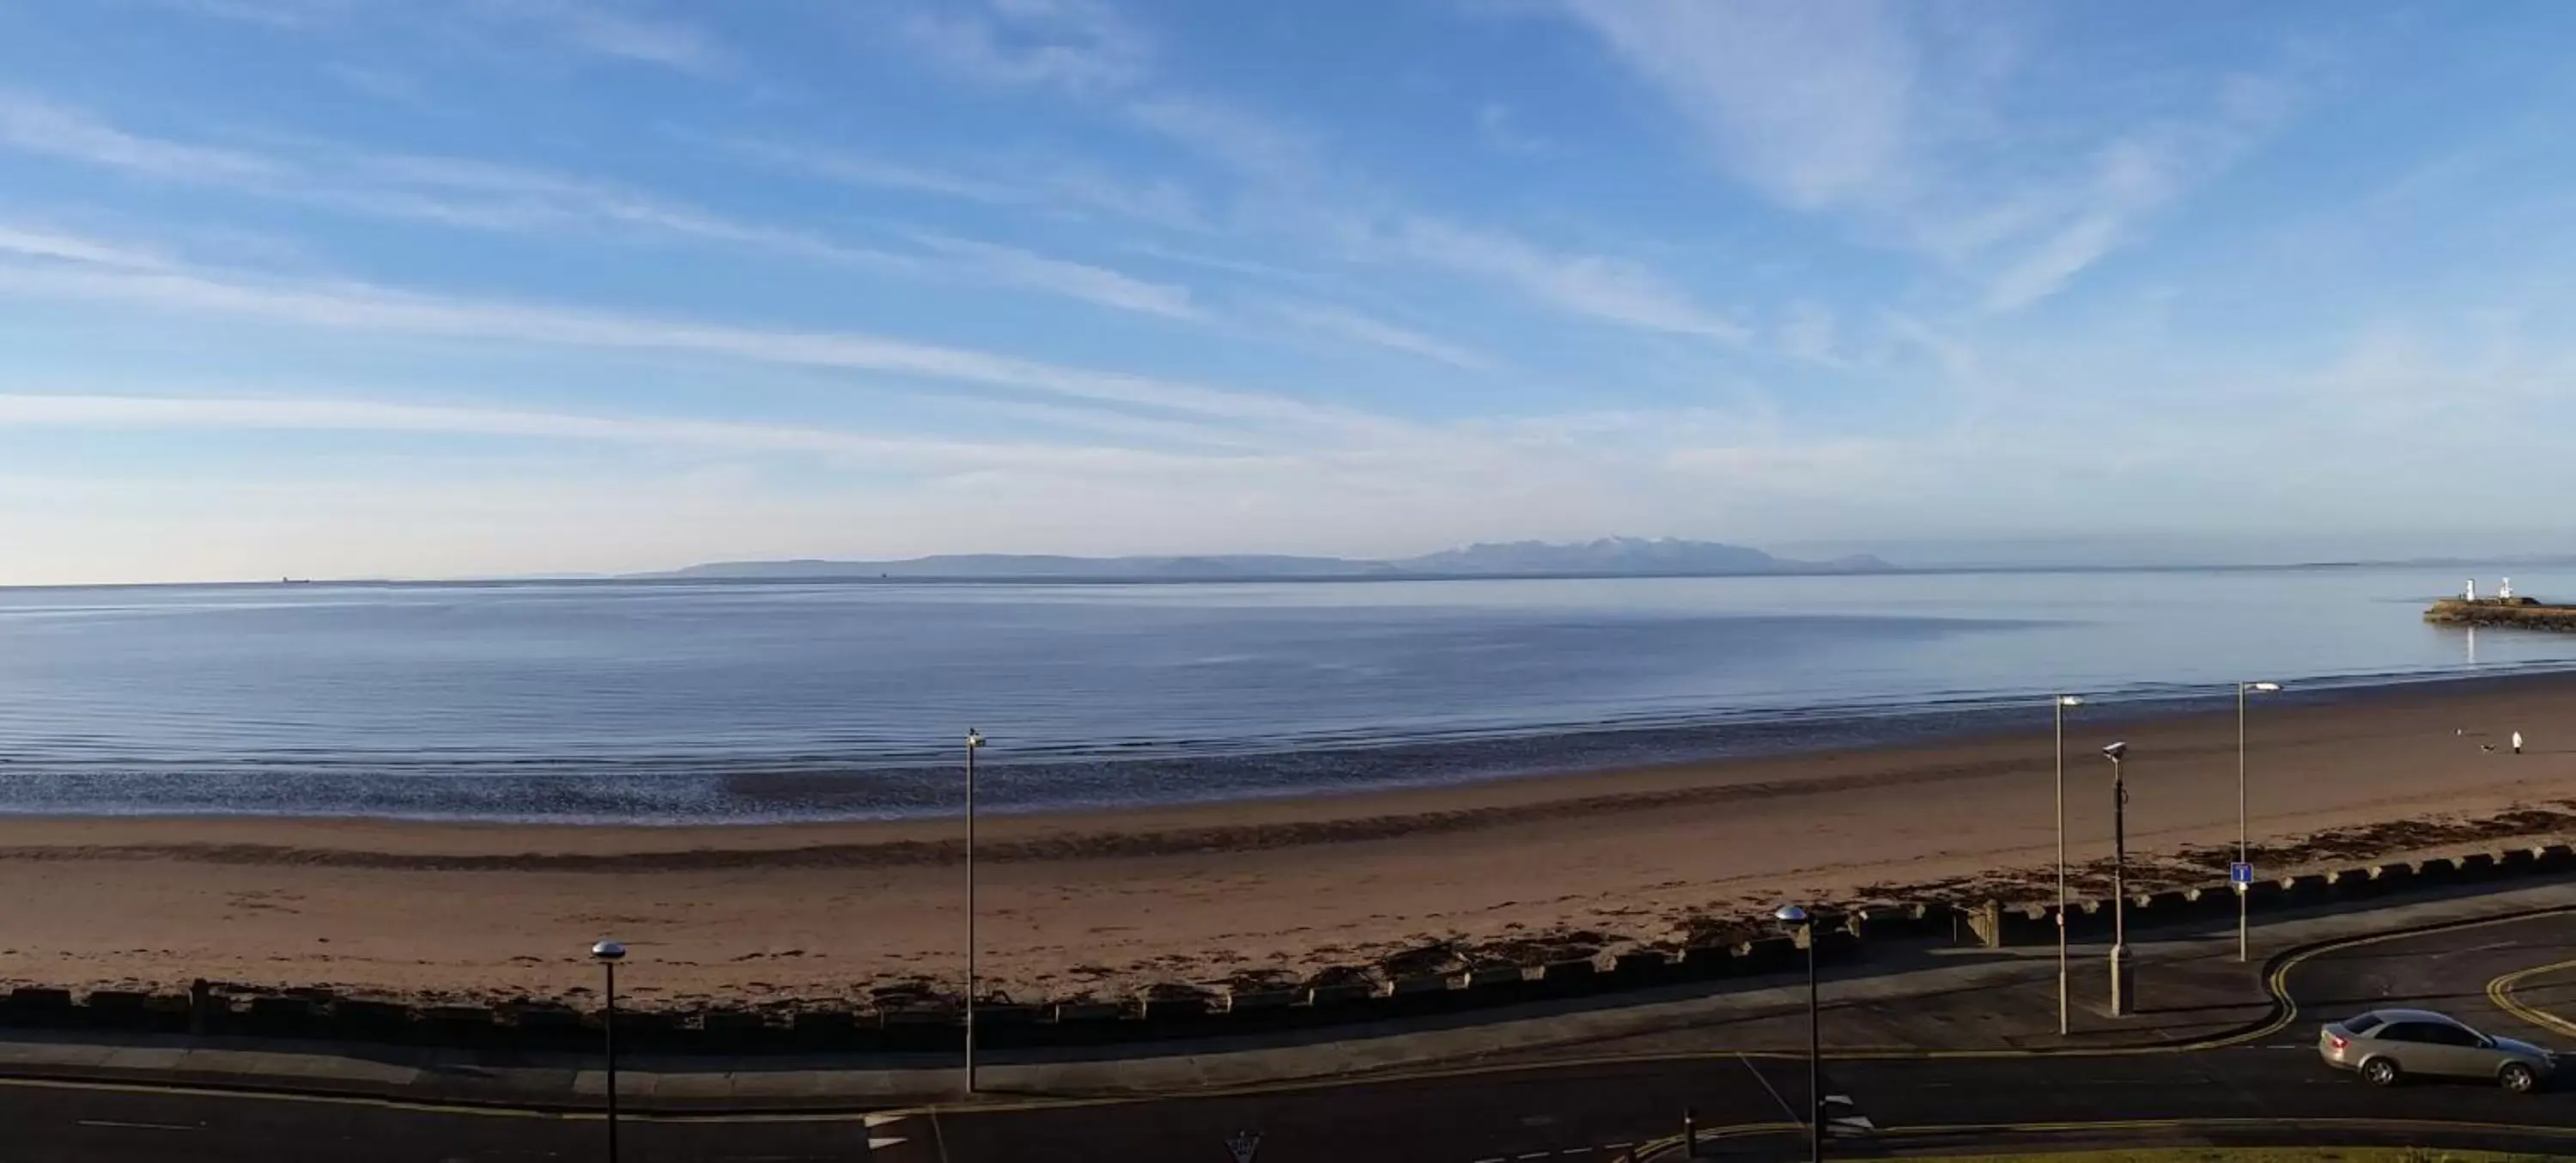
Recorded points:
1607,557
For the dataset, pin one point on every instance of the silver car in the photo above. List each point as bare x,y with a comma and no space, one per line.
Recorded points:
2388,1045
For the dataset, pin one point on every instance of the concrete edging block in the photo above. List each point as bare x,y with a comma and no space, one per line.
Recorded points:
1340,995
1572,977
1768,955
1986,920
1638,967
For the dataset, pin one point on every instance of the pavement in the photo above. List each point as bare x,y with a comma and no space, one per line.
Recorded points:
1950,1049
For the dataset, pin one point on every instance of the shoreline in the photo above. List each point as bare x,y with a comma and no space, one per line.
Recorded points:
1111,902
1008,835
1747,744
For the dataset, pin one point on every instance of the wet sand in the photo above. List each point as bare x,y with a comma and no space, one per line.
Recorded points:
1107,902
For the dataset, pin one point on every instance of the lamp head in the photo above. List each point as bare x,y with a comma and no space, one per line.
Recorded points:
2266,687
608,950
2070,700
974,738
2116,751
1791,913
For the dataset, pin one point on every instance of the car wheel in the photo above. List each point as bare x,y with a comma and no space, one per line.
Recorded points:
2379,1072
2518,1078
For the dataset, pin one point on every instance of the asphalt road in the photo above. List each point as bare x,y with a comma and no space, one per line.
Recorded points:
2268,1088
2241,1093
93,1124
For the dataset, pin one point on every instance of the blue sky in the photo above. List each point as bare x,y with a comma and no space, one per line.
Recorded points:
379,287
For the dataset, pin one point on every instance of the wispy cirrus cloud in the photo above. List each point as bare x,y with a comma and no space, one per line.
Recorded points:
32,125
1342,323
854,169
1073,280
369,307
477,195
1230,135
289,414
36,242
453,191
485,196
1808,332
1073,45
276,14
1598,287
1895,117
612,31
1810,103
615,31
1090,51
1037,184
1496,125
2108,204
383,84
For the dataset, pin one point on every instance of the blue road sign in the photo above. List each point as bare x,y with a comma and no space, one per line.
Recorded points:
2240,872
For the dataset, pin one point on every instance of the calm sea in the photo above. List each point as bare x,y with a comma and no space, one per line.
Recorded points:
683,702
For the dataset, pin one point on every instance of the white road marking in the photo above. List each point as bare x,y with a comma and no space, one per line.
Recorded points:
874,1121
1531,1155
138,1126
876,1143
1791,1111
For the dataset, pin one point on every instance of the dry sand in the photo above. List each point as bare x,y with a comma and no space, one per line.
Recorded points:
1107,902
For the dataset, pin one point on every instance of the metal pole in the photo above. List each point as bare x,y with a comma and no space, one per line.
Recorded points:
972,741
608,1038
2241,893
2120,999
1815,1059
2061,865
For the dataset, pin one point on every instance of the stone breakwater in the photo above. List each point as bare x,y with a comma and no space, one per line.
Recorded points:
2520,613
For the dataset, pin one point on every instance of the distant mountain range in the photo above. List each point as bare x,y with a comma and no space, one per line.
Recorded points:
1608,557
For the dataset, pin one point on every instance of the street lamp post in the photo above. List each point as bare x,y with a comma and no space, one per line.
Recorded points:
2060,703
974,740
2122,993
2243,890
608,953
1795,916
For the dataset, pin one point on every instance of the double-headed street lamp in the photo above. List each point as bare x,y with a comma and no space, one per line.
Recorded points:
974,740
2243,889
608,954
2121,992
2059,705
1797,917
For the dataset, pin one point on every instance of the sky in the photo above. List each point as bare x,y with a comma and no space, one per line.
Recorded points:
437,288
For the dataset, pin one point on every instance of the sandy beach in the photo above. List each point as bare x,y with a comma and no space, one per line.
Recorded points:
1105,903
